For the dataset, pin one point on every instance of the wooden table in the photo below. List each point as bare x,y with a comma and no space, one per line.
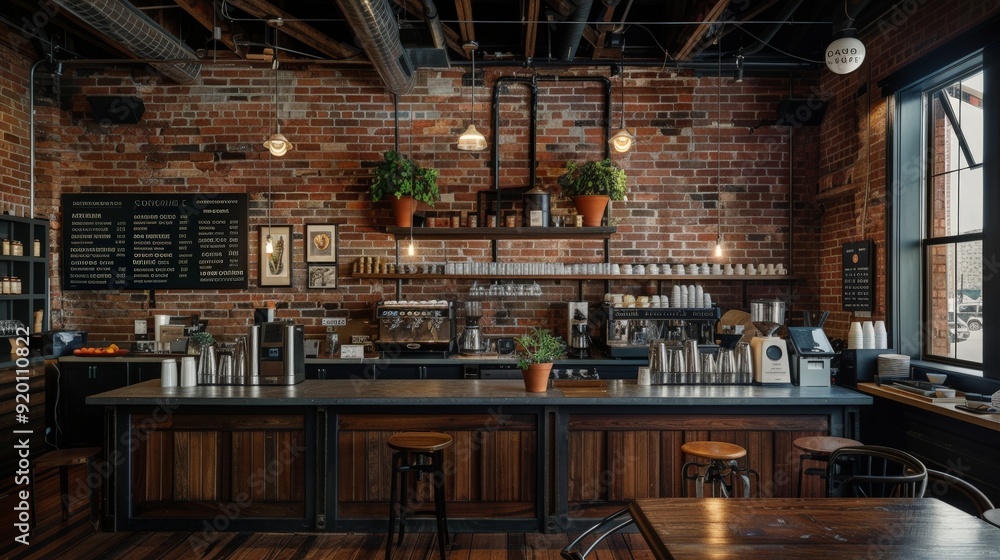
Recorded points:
813,528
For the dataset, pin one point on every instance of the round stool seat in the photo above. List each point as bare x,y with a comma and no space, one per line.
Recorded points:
714,450
824,445
419,442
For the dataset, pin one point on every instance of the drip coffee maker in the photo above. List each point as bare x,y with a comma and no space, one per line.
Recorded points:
770,353
472,341
579,331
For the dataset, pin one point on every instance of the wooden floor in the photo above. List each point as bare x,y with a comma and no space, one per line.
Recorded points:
76,539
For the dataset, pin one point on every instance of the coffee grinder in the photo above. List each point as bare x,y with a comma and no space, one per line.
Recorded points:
578,329
472,341
280,353
770,353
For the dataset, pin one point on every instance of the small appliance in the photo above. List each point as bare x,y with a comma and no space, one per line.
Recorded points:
810,355
578,329
472,340
281,354
415,328
770,353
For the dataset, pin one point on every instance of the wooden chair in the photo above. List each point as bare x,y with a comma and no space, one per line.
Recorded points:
427,450
874,471
957,492
63,459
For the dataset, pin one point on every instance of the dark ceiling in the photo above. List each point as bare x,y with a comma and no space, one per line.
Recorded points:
772,35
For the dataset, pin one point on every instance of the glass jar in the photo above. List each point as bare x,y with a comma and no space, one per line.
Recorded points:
36,248
6,247
15,285
5,285
17,249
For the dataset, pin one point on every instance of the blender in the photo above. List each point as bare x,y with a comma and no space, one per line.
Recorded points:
770,353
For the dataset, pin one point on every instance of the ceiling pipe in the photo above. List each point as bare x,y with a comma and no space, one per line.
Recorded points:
375,28
434,25
572,30
125,25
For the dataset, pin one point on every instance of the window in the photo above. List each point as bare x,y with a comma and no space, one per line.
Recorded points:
953,239
942,189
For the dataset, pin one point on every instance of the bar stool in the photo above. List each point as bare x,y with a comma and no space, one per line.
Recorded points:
721,470
428,449
818,448
64,459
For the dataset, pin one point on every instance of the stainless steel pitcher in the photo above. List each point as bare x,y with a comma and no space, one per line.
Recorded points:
744,362
225,371
241,362
207,366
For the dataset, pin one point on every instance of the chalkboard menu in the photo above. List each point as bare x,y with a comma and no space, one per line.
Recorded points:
154,241
859,276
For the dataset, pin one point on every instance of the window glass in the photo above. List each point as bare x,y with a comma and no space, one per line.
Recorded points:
953,247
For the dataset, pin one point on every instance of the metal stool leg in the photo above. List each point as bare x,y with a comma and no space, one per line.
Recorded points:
393,503
437,481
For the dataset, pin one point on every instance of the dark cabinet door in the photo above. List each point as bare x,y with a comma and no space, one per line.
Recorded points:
144,371
83,424
338,371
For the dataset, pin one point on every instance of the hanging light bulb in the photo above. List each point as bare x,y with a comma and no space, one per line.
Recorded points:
411,250
277,144
472,140
622,141
268,245
718,248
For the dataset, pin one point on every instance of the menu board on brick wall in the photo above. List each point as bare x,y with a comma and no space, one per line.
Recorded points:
859,276
154,241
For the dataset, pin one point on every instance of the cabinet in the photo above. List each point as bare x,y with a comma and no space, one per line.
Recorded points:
82,424
395,370
32,271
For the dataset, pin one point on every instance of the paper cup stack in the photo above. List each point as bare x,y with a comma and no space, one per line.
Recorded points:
893,366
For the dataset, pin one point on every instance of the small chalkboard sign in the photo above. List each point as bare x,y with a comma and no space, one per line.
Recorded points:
859,276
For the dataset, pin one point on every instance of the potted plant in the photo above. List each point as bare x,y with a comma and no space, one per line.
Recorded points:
405,182
199,340
591,186
539,348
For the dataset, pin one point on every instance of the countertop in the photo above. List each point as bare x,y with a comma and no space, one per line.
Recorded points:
989,421
477,392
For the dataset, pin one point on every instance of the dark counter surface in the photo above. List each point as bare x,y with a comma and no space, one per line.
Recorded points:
431,392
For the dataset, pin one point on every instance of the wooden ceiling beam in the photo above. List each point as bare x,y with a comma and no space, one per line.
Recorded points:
532,11
416,9
204,13
707,19
466,28
297,29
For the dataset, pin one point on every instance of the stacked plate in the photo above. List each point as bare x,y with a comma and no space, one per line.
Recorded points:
893,366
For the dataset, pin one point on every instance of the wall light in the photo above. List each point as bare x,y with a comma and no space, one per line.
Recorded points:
846,53
277,144
622,141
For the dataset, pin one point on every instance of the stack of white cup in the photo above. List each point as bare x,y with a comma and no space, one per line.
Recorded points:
855,338
168,373
881,336
868,334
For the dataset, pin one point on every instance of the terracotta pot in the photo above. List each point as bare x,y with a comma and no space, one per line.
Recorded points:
592,207
536,377
403,208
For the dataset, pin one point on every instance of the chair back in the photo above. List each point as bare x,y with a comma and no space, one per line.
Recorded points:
953,490
874,471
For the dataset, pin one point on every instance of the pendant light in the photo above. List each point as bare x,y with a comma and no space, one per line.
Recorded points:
846,52
718,159
623,140
277,144
268,244
472,140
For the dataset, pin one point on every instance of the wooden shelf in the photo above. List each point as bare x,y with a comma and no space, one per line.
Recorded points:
492,233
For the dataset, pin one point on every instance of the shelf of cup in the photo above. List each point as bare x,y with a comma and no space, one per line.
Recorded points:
678,278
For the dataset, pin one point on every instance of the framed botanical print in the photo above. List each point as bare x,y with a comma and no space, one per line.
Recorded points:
321,243
322,276
276,267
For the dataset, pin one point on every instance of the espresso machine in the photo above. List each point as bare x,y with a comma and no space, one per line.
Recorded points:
578,329
415,328
770,353
472,341
281,353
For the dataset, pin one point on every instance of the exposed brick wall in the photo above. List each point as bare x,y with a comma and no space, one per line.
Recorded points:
14,132
206,137
852,198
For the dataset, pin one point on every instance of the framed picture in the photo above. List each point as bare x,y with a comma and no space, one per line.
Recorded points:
321,243
322,276
276,268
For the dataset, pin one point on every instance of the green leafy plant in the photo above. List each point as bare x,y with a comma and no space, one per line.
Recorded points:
593,177
397,175
202,338
539,346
